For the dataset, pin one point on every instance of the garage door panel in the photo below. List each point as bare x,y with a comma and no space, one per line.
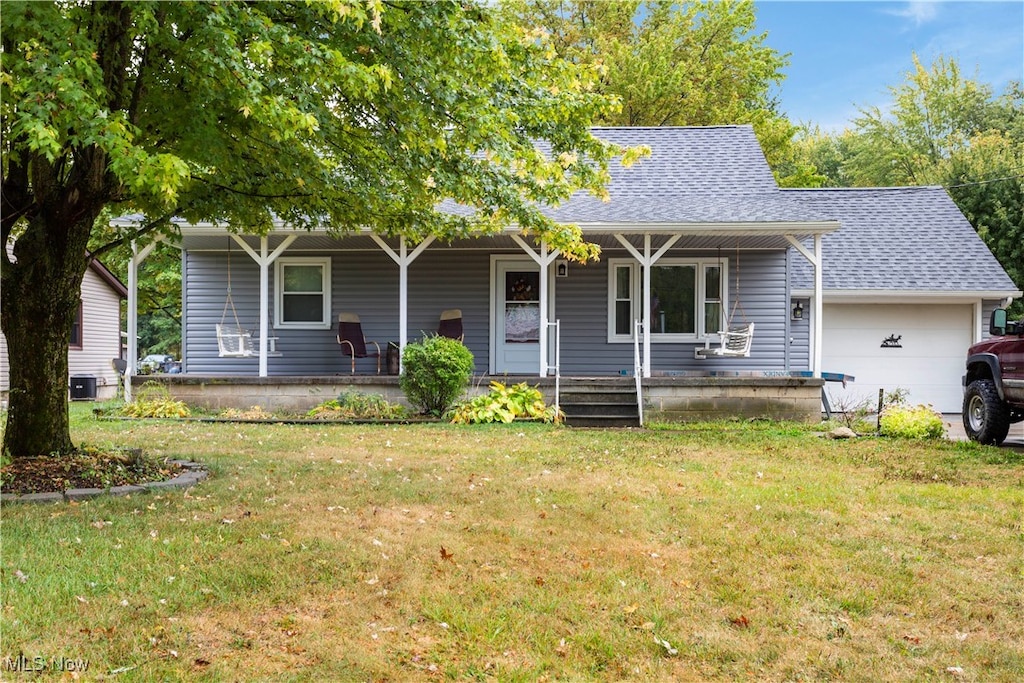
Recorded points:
934,340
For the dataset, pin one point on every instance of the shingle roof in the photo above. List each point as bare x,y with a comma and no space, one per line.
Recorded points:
707,174
901,238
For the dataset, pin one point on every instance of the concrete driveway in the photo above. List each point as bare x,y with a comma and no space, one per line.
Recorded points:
955,431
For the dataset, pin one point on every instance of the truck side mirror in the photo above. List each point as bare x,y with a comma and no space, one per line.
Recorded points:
997,323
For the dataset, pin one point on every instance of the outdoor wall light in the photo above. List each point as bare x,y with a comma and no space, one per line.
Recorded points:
798,311
561,268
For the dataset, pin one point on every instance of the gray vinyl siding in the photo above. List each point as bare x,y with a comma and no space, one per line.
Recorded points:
362,282
987,306
800,337
365,282
762,299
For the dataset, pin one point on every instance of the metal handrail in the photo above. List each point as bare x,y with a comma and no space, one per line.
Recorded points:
638,329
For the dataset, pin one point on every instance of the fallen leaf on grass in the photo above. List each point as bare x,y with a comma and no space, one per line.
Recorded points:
201,662
740,622
20,575
912,639
630,608
445,555
562,650
669,650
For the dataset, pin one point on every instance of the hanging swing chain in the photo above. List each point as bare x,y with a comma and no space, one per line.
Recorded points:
736,301
228,301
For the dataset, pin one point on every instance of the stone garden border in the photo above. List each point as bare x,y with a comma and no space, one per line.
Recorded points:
192,474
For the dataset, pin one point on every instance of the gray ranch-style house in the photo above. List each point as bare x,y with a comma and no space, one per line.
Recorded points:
698,238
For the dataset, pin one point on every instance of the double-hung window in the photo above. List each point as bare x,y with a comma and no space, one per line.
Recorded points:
688,298
76,330
302,293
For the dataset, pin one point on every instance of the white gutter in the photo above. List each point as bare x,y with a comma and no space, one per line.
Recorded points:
919,295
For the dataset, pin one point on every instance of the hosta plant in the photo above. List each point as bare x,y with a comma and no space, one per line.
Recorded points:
505,404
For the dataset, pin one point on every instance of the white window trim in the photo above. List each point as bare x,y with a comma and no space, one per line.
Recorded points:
325,264
636,275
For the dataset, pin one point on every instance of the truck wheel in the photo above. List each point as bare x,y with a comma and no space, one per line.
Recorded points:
986,418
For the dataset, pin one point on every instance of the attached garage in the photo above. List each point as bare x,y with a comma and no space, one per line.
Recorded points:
920,348
905,265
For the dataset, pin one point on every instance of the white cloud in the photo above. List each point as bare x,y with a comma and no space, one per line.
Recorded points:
918,11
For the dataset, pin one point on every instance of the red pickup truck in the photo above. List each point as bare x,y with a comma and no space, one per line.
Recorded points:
994,382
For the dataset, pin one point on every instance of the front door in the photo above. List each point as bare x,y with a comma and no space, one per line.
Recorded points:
516,316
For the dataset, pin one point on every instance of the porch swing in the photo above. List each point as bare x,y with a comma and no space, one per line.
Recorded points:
233,341
735,339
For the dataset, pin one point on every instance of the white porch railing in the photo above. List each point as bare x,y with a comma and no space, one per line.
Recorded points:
638,330
557,365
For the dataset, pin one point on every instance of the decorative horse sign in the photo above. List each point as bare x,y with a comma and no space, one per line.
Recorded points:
892,342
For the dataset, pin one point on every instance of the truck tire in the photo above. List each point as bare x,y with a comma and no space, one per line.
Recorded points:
986,418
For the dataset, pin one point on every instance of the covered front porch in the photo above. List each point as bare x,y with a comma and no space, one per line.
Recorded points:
599,319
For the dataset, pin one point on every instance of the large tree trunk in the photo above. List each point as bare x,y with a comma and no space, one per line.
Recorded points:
38,304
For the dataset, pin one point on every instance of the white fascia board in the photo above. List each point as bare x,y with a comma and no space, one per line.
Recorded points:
699,229
714,229
868,296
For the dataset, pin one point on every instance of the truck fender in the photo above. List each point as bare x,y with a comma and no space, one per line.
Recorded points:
989,360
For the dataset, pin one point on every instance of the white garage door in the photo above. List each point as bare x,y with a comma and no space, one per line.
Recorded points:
927,360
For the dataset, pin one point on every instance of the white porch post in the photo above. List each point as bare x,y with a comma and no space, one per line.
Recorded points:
264,303
403,258
647,305
263,260
646,261
133,314
543,260
818,305
816,261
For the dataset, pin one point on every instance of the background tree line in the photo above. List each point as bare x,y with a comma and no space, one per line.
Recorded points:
705,63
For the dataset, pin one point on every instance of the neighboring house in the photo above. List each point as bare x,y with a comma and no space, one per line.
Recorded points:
908,286
696,237
96,335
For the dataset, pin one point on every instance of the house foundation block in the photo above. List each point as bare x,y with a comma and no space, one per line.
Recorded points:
672,399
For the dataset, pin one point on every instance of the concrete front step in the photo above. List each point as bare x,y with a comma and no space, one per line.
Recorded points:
602,421
599,403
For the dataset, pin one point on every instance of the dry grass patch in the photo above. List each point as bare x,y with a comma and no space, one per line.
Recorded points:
527,553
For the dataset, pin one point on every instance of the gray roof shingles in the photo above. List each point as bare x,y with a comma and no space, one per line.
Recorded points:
898,238
708,174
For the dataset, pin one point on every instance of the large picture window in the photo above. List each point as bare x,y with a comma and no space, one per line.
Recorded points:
688,298
302,293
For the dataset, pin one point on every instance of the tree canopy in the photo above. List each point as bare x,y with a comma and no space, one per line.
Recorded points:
941,128
676,64
341,115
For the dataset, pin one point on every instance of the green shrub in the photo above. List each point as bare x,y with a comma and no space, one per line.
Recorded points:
504,404
357,405
918,422
435,372
155,400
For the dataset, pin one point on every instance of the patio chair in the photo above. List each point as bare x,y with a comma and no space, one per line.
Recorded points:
450,324
352,341
736,342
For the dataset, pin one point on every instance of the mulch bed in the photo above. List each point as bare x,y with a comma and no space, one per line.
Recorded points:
87,468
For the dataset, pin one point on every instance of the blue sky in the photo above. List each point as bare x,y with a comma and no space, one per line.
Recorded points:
845,54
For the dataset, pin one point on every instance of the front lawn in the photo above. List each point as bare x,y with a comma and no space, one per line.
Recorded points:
525,552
